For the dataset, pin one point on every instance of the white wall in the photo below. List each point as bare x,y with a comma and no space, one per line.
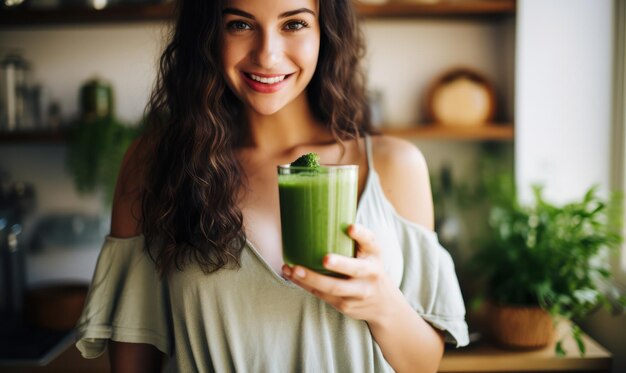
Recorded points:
563,113
45,167
63,58
563,97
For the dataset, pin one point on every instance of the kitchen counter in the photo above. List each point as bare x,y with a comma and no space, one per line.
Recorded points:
69,361
479,357
23,344
484,356
27,349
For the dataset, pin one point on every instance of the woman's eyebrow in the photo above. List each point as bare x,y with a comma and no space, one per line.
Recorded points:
239,12
297,11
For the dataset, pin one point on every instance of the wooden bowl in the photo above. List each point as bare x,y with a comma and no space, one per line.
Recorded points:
460,97
55,306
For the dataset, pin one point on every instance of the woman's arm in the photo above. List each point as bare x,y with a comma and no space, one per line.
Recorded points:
130,357
407,341
134,358
126,210
406,183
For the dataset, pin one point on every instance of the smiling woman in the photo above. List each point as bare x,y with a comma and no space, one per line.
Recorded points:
193,268
268,52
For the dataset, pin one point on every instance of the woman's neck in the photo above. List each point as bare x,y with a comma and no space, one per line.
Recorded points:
292,126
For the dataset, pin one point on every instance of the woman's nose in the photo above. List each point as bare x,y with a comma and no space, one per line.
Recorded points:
268,50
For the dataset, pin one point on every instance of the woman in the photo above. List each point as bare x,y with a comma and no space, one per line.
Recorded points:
246,85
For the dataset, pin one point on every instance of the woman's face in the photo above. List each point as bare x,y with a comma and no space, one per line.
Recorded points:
270,50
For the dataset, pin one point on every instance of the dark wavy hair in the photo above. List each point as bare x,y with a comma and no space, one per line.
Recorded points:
189,191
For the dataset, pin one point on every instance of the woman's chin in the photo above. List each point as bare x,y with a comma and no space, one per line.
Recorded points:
267,110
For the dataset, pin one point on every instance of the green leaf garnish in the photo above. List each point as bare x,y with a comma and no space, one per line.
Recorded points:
311,160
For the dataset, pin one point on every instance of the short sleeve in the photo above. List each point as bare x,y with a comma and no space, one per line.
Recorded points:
127,302
430,283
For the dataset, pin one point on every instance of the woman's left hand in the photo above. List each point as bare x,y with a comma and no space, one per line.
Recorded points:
366,294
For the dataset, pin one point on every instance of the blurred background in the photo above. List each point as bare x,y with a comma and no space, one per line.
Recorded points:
526,90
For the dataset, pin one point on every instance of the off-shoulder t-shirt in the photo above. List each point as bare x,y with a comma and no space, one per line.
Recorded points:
251,319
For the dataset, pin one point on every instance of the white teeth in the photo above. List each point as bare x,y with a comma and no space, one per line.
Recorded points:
272,80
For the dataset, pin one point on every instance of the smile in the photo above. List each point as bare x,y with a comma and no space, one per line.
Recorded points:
265,80
266,83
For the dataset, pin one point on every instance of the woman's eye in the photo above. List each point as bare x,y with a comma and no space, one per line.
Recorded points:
238,26
295,25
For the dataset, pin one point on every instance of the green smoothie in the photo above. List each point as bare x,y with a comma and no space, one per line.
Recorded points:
316,207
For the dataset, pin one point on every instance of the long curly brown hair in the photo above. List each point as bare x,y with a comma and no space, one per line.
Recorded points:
189,193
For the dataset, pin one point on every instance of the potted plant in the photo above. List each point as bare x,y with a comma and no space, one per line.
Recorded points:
96,150
543,263
98,141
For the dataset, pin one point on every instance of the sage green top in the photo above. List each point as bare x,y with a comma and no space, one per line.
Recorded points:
251,319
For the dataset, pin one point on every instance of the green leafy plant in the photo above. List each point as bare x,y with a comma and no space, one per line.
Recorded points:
95,154
552,256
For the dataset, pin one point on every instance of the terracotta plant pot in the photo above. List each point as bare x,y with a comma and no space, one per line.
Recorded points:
520,327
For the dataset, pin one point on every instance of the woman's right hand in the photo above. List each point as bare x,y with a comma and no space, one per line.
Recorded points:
366,293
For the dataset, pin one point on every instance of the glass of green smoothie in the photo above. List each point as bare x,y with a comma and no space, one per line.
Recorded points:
317,204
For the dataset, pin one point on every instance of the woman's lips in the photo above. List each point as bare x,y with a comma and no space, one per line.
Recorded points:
268,83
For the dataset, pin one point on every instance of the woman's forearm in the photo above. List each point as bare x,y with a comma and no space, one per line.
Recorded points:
407,341
134,357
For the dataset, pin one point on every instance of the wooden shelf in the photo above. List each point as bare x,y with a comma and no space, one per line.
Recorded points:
75,14
485,356
487,132
39,137
21,16
444,8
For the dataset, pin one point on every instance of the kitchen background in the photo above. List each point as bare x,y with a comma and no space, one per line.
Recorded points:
550,62
403,56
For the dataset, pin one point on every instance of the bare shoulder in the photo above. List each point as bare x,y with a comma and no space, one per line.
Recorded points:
404,178
126,209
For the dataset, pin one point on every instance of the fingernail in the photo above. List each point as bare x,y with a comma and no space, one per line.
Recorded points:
330,260
287,271
356,229
300,272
